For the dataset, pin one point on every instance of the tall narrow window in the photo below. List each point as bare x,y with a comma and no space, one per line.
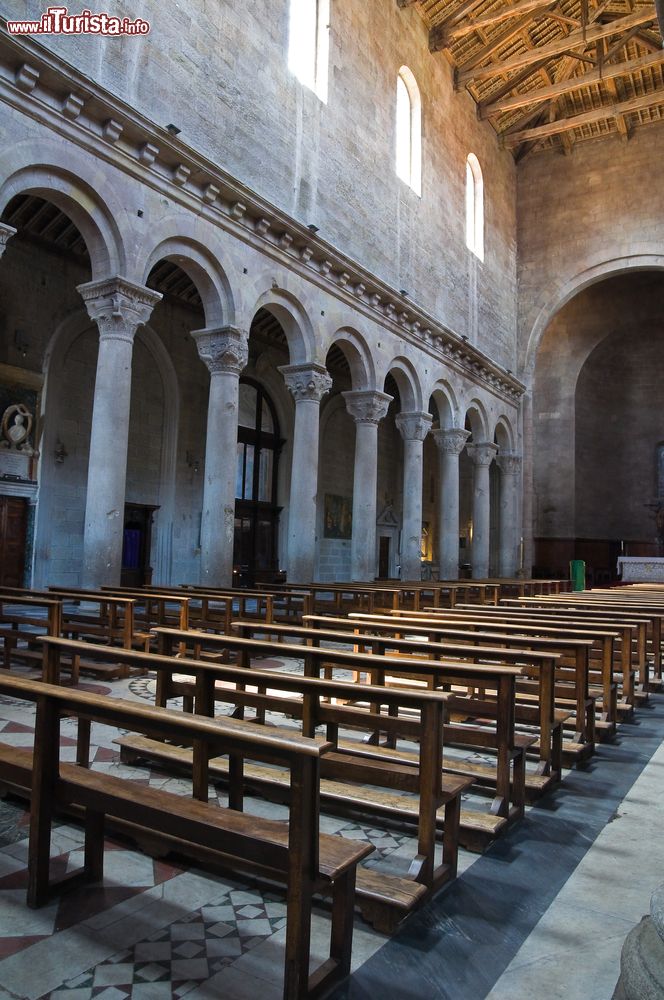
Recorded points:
309,43
474,206
409,130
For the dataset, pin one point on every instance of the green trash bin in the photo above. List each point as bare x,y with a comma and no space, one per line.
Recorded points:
577,574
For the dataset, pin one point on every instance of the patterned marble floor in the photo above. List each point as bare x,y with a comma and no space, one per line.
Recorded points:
157,929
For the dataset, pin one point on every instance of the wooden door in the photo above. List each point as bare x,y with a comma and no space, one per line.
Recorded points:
13,525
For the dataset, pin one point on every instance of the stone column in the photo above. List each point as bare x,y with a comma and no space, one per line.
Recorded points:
451,443
510,471
225,352
6,233
118,307
308,384
482,456
413,428
367,408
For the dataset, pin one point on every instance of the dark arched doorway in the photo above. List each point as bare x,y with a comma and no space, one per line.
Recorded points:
255,552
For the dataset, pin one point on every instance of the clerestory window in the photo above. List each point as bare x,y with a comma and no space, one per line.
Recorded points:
409,130
474,206
309,43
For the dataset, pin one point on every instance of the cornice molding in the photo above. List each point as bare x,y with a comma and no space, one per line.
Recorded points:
108,128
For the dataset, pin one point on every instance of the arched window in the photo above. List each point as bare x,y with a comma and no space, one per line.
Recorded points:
474,206
409,130
309,43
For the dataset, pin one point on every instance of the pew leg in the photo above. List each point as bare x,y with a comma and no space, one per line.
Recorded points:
341,937
451,834
298,940
94,846
83,743
519,783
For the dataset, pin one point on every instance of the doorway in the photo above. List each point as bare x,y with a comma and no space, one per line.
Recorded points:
255,549
13,530
136,545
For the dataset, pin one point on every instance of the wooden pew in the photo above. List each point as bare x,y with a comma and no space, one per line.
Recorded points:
612,603
21,620
541,665
295,853
112,622
384,898
602,642
509,749
628,638
574,688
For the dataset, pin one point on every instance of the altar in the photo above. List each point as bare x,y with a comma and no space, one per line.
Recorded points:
641,569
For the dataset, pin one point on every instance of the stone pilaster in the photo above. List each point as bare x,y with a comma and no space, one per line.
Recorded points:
367,408
307,383
510,475
118,307
413,428
225,352
482,455
451,443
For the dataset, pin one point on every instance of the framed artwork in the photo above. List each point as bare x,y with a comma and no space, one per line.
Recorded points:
338,517
19,431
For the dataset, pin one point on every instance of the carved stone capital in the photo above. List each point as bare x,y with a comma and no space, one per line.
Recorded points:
6,233
367,406
509,463
224,350
451,440
118,306
482,454
306,381
414,426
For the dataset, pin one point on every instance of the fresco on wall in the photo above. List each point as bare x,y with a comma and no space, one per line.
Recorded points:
338,517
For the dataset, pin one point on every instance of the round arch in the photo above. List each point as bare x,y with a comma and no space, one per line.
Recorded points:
567,290
357,354
446,404
476,416
294,319
410,389
81,203
204,270
504,434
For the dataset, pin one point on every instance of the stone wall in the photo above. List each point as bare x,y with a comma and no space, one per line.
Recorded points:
596,213
597,412
331,164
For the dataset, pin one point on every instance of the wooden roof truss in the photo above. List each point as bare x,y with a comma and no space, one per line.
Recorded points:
550,73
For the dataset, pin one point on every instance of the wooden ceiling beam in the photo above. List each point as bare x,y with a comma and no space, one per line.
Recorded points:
603,54
576,39
650,40
458,15
586,118
468,69
446,35
501,92
497,105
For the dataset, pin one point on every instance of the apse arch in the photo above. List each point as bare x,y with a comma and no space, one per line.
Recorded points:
567,290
